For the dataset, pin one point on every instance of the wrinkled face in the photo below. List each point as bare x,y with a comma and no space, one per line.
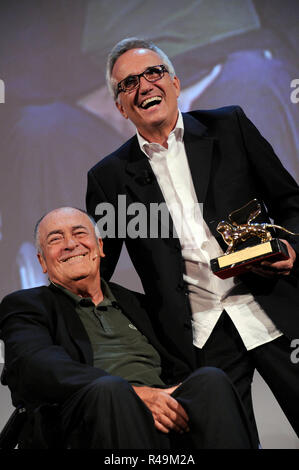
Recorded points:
162,109
70,249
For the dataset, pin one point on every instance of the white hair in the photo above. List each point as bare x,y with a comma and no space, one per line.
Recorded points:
126,45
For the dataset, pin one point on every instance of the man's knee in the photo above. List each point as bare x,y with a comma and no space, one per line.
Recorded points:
209,377
109,386
99,398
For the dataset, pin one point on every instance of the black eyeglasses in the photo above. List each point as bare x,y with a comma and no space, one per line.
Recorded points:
130,83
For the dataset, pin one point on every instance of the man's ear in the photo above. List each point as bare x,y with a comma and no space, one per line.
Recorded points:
177,84
102,254
121,109
42,262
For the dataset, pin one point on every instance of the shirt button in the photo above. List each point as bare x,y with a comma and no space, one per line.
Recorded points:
101,309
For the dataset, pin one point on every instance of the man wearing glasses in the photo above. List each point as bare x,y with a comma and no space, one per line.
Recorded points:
217,158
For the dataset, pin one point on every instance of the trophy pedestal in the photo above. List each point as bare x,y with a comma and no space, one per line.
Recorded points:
236,263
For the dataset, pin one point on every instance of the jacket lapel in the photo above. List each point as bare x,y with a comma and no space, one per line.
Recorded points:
74,325
199,150
143,184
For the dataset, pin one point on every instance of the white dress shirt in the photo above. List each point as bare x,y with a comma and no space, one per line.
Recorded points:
208,294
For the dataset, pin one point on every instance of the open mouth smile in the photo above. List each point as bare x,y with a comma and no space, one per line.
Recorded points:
72,258
149,102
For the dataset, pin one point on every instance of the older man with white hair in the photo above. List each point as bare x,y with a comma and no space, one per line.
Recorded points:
82,356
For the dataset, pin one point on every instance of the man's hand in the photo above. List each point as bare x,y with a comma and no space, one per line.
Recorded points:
270,270
167,412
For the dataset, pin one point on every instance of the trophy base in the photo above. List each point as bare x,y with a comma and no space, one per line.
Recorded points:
236,263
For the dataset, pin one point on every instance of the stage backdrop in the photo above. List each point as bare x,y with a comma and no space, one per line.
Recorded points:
57,119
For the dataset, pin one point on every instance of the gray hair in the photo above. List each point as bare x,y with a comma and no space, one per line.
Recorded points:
37,225
126,45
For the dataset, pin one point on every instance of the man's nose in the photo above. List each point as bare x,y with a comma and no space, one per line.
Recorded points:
144,85
70,243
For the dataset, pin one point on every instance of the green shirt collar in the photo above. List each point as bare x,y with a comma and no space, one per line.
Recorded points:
77,299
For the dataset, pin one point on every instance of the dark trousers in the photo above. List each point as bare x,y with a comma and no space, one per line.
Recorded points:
108,414
226,350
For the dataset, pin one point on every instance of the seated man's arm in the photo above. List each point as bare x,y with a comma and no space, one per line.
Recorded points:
38,366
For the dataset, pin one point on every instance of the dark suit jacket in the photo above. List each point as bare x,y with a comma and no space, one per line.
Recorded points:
48,355
231,164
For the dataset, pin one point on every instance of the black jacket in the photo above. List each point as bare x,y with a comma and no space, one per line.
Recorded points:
48,355
231,164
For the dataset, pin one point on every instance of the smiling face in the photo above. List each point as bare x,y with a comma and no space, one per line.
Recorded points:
70,249
152,106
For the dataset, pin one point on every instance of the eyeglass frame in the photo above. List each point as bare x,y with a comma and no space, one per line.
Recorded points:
119,88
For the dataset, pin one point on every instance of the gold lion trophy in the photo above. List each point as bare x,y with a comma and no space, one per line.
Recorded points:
248,243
